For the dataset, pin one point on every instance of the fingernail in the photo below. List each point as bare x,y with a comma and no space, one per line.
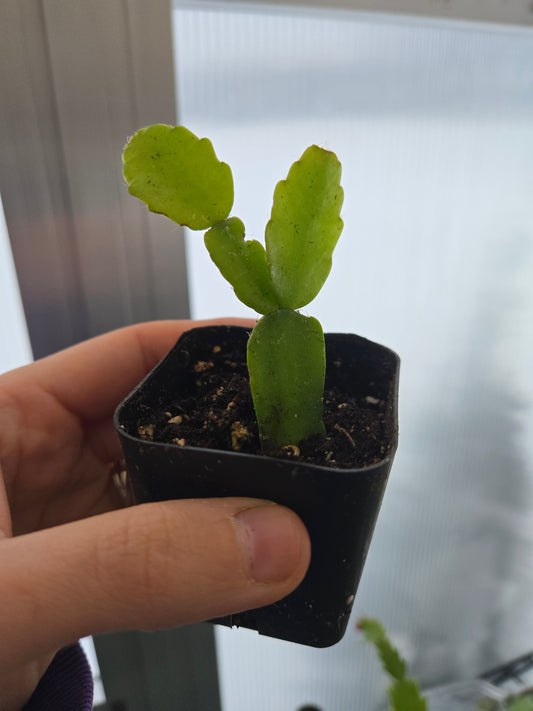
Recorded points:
272,537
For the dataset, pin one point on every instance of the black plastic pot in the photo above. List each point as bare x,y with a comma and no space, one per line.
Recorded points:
338,506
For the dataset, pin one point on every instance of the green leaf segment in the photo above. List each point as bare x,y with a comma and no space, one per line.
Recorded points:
179,175
404,693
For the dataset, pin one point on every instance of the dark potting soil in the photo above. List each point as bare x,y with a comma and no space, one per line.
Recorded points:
218,413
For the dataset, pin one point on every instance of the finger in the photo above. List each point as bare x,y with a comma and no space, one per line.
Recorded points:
147,567
90,379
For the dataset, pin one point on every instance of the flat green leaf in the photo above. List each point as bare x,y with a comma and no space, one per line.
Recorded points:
523,704
178,174
405,695
243,263
287,365
304,227
391,659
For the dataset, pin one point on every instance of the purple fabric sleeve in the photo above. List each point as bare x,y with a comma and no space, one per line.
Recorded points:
67,684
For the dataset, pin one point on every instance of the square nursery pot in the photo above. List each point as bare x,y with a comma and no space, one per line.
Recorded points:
339,506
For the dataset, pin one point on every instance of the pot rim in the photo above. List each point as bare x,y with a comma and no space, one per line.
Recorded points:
252,457
299,464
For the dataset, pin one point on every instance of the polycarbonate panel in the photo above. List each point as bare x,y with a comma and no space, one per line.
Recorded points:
433,122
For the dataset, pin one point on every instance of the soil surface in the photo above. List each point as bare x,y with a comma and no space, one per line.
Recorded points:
218,413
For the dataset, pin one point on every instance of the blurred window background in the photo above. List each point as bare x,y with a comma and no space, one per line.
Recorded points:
433,122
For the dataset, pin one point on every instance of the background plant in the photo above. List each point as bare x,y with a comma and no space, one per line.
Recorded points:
404,692
177,174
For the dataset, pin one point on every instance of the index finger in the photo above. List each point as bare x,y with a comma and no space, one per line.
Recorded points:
91,378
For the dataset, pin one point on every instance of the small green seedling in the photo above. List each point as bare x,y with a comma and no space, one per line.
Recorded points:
177,174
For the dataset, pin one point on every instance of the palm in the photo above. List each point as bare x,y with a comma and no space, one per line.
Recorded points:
57,441
56,466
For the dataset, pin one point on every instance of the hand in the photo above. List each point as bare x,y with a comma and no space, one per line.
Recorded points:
72,563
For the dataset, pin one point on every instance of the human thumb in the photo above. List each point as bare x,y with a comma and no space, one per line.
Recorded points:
150,566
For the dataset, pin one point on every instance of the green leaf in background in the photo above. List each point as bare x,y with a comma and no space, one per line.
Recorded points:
243,263
404,695
287,365
391,660
523,704
177,174
304,227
